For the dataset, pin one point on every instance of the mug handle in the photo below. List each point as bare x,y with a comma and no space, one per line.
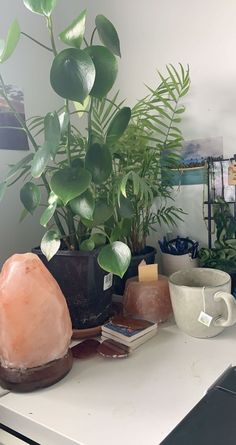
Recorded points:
231,308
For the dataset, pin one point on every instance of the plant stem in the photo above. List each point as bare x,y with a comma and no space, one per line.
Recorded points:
92,36
36,41
72,233
68,134
90,122
85,41
50,27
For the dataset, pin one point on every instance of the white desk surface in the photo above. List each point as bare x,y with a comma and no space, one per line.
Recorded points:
133,401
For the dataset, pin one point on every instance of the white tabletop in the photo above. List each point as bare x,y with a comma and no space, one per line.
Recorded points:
137,400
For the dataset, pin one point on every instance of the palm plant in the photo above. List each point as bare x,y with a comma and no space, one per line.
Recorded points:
143,158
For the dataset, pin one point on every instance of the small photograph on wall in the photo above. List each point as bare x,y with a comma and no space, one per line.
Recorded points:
192,167
220,187
12,135
195,152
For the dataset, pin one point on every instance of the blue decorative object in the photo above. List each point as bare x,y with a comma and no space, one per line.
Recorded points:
179,246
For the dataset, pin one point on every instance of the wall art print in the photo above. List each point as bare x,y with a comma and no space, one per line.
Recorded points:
12,135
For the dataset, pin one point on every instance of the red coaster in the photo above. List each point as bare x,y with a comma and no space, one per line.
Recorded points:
85,349
112,349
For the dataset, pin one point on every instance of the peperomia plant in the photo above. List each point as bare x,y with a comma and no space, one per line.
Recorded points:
74,169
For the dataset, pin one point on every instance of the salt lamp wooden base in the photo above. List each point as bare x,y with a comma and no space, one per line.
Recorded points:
26,380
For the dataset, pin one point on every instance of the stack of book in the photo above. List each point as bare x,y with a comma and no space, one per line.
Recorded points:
128,331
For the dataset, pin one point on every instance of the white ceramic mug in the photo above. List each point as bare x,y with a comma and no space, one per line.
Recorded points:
200,291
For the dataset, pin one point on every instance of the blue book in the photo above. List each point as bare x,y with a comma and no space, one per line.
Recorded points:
127,333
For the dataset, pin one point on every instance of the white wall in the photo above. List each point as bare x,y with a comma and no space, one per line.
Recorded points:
28,68
152,33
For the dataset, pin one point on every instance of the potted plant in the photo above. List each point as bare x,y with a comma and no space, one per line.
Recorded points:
140,185
73,169
223,255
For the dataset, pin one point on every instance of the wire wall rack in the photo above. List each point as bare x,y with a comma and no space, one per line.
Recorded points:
218,186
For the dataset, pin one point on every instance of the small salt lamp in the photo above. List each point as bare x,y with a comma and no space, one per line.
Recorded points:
147,296
35,326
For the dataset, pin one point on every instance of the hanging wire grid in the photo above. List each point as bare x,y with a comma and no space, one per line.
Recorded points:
217,186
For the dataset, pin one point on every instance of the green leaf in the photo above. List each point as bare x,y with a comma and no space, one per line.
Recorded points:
54,199
22,163
72,74
3,187
40,161
83,205
108,34
99,239
102,213
52,132
98,161
23,215
64,121
68,183
106,70
50,244
48,214
115,258
30,196
116,234
126,209
118,125
12,39
43,7
87,245
73,35
81,108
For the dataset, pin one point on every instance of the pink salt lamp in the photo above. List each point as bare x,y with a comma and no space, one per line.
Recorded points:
148,300
35,326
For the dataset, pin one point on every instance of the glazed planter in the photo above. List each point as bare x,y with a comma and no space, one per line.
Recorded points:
148,256
86,287
173,263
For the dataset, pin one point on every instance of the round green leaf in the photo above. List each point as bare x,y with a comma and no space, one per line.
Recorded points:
68,183
87,245
106,70
98,161
102,213
30,196
43,7
48,214
126,209
74,33
12,39
83,205
118,125
72,74
108,34
115,258
40,161
77,162
50,244
99,239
